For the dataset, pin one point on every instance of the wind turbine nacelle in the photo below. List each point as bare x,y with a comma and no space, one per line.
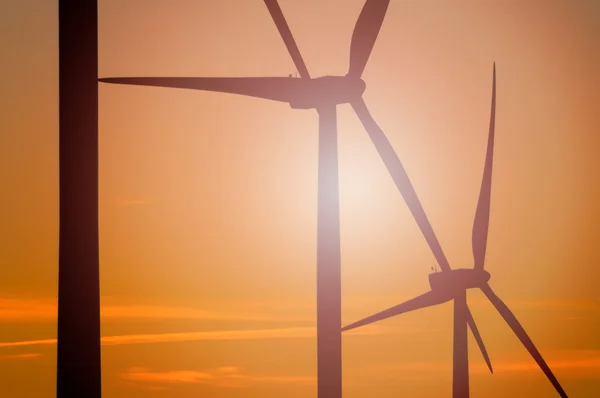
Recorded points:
328,91
458,280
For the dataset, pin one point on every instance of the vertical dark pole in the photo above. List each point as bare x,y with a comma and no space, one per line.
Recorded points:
460,369
78,350
329,289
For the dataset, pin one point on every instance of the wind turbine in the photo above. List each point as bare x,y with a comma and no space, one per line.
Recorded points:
323,94
78,352
452,284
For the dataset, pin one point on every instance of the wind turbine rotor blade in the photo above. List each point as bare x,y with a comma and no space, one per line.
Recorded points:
482,214
425,300
517,328
396,170
286,35
365,33
274,88
473,327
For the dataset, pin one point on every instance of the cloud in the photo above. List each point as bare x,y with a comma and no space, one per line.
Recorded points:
257,334
172,312
529,366
45,310
582,363
31,310
551,305
227,376
570,363
21,356
27,343
12,309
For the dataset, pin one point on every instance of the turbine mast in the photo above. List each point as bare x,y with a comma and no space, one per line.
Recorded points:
329,286
460,367
78,348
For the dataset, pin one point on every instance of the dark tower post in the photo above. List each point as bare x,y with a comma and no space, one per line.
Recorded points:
78,349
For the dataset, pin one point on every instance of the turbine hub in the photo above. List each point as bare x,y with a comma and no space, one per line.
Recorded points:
458,280
328,91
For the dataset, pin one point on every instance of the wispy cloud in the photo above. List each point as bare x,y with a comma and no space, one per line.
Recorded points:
228,376
39,310
378,302
589,364
172,312
27,343
14,309
203,336
550,305
258,334
21,356
571,363
582,363
35,310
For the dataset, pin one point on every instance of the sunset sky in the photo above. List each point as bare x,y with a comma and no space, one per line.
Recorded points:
208,201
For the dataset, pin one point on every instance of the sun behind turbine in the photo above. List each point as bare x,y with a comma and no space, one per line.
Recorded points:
323,94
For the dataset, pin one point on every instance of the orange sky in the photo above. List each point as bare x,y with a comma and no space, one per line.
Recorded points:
208,201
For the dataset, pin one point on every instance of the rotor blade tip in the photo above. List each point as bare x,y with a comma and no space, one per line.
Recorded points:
352,326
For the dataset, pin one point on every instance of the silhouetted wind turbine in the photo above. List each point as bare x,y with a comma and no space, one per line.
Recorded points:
323,94
453,284
78,363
